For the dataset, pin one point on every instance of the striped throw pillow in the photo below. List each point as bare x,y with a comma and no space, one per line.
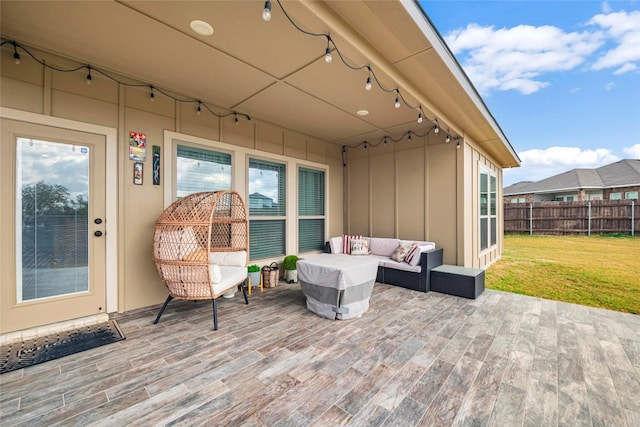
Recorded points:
346,242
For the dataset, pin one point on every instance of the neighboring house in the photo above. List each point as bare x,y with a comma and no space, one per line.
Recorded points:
260,201
615,181
134,141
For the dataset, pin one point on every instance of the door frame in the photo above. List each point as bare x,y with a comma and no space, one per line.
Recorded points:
111,194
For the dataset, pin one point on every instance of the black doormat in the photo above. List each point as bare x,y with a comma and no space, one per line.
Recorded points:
22,354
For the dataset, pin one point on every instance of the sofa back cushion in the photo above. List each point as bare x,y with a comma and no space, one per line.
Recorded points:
383,246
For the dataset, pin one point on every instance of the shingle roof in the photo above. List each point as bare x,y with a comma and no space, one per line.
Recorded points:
622,173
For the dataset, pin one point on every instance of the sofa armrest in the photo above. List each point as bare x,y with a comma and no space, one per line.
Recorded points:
428,261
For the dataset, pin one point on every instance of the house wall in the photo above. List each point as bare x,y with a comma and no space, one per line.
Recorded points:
31,87
424,189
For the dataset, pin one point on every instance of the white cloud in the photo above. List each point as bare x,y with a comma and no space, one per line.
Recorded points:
633,151
609,86
606,8
575,90
626,68
515,58
539,164
624,29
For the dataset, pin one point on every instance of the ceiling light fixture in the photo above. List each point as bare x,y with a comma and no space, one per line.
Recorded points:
266,13
363,113
201,27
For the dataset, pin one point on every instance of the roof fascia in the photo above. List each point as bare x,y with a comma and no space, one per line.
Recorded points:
429,30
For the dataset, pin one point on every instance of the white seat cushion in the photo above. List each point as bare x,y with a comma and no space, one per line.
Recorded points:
235,258
232,276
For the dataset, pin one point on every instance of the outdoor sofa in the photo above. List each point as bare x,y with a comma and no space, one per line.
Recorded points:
412,272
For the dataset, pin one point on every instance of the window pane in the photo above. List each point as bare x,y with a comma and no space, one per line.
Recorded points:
631,195
493,204
494,232
198,170
493,184
615,196
310,192
483,183
484,233
311,235
267,188
52,206
267,238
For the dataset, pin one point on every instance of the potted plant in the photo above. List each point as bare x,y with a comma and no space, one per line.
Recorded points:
254,274
290,269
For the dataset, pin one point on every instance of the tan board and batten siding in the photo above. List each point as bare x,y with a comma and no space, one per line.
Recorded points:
386,195
31,88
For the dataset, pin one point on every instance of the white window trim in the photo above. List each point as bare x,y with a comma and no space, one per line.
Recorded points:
240,178
489,173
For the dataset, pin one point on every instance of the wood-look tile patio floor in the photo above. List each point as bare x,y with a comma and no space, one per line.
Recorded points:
413,359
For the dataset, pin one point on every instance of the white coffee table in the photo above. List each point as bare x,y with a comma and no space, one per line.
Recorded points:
337,286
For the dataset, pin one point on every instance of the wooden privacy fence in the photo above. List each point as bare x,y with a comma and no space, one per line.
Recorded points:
587,217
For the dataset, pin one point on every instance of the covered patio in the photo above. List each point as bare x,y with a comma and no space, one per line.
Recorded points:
412,359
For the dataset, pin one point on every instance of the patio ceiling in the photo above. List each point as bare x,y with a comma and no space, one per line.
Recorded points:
270,70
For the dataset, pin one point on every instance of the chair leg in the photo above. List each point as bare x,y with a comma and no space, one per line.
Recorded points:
169,298
215,315
244,292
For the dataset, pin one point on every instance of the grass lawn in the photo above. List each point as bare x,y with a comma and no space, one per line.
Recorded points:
597,271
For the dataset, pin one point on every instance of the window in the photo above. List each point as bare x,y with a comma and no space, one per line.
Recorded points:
569,198
514,200
631,195
615,196
198,169
521,200
488,210
311,216
267,208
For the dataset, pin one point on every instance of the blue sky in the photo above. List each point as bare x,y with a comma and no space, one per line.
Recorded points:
562,78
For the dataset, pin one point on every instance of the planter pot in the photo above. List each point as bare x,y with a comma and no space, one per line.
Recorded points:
291,276
255,279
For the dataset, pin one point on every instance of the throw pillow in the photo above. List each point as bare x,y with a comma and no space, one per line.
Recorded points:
346,240
359,247
411,253
216,273
400,253
197,255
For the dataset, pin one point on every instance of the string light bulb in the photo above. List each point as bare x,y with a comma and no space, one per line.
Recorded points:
89,78
436,127
327,53
235,119
409,136
152,96
16,55
397,103
199,110
266,13
420,117
368,85
365,145
458,144
448,138
385,140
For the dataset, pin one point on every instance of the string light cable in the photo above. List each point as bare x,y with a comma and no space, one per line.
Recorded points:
153,90
328,58
387,138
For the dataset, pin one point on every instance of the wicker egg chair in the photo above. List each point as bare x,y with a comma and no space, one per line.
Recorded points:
201,247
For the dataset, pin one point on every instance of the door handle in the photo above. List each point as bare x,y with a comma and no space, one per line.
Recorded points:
98,233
